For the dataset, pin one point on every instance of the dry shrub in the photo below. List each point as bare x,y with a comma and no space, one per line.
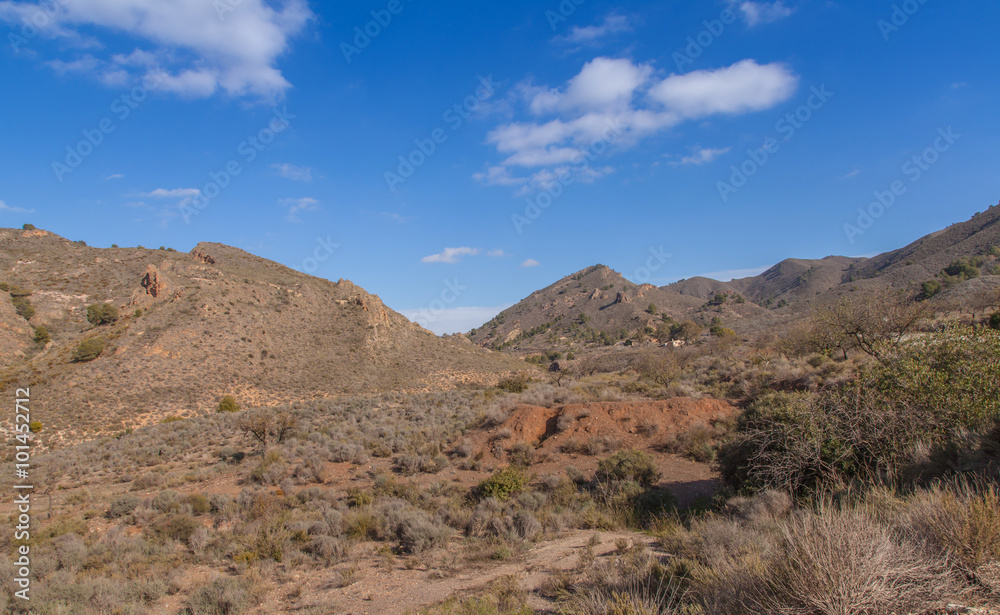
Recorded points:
224,596
835,561
960,521
633,585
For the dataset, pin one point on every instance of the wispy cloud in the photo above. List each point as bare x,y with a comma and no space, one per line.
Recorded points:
497,253
853,173
703,156
293,172
198,48
530,263
4,207
299,205
757,13
592,35
450,255
115,176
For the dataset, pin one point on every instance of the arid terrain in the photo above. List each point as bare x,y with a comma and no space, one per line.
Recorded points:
244,438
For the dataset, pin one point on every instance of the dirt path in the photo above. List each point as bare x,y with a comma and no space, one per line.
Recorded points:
400,591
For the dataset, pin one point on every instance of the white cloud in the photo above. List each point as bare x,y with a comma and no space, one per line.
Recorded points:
199,47
590,35
530,263
293,172
450,255
612,104
297,205
602,84
757,13
741,88
852,174
497,253
452,320
115,176
4,207
703,156
165,193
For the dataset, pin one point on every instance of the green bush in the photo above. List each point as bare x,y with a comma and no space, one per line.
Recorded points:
88,350
42,335
929,289
35,426
19,297
517,383
964,269
101,314
228,404
503,484
930,396
995,321
628,465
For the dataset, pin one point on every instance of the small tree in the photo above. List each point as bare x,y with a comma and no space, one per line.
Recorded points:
266,426
687,331
228,404
101,314
652,308
88,350
875,321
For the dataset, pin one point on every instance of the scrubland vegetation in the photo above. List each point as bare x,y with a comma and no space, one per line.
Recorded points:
861,477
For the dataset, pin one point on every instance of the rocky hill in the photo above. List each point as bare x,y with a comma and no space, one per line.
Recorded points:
597,305
193,327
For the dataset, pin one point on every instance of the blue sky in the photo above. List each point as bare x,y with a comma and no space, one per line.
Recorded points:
454,157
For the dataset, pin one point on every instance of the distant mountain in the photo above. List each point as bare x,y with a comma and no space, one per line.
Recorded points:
597,304
193,327
790,280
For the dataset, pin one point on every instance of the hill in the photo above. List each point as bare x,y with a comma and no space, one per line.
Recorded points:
192,327
596,306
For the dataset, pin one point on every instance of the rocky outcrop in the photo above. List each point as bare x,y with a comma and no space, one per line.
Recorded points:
153,286
203,257
622,297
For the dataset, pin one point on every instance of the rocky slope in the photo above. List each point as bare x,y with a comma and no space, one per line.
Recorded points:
194,327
